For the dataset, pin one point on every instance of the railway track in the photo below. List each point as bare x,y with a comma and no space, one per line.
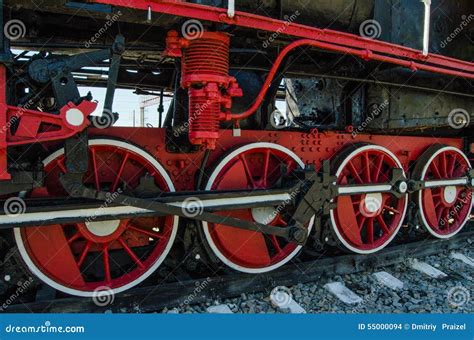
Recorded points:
155,298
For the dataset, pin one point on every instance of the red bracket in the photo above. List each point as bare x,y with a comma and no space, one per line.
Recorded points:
36,126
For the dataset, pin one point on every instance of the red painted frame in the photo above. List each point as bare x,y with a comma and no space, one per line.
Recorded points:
313,148
328,39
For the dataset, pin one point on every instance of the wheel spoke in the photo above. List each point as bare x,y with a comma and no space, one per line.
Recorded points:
95,169
452,166
119,174
149,233
361,222
131,253
247,170
378,168
435,169
367,167
443,165
75,237
275,244
84,253
106,260
370,231
266,168
61,166
355,173
389,208
382,224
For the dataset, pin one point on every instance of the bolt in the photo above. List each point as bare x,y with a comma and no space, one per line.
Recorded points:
7,278
402,187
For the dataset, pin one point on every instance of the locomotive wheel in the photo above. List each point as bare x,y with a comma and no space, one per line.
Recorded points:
254,166
366,223
83,258
444,211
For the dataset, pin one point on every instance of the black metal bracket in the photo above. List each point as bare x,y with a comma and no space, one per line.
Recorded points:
23,180
72,182
108,117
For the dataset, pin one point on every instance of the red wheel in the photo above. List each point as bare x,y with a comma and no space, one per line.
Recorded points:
254,166
114,255
444,211
366,223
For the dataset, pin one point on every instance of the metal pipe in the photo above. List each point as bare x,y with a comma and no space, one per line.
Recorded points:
426,30
231,8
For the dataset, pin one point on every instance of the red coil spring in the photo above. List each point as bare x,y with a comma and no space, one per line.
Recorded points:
203,118
205,73
206,59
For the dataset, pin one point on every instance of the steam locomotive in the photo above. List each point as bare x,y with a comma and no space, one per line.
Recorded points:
294,127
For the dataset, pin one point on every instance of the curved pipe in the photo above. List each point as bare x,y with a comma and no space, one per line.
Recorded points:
364,54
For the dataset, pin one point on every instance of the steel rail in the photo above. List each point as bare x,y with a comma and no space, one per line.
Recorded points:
158,296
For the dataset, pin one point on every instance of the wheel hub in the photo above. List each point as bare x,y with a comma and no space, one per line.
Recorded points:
264,215
103,228
450,194
371,205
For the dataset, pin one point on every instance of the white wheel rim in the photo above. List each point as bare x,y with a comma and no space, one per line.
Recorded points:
420,194
38,273
331,213
209,185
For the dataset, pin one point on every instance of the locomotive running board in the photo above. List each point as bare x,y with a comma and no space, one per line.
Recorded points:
45,212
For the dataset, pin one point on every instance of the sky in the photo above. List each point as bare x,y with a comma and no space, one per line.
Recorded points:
125,103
